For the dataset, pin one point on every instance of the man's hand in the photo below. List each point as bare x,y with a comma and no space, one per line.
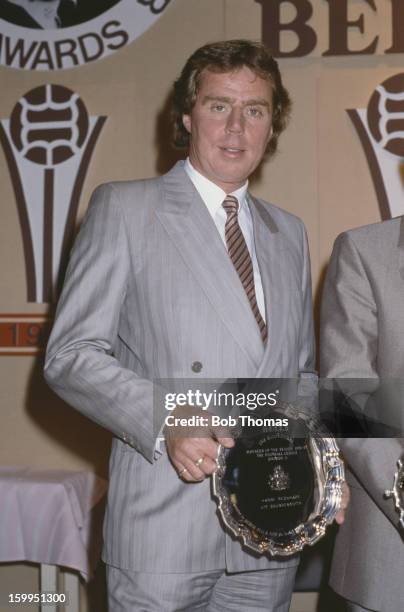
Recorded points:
193,449
340,516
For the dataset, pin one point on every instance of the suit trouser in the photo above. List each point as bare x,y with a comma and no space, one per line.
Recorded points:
215,591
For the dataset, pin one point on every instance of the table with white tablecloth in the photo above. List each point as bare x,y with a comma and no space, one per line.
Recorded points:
47,518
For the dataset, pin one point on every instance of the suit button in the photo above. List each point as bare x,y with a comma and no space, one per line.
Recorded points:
196,366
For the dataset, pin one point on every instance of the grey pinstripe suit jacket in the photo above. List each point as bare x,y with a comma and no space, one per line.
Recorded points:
362,337
149,290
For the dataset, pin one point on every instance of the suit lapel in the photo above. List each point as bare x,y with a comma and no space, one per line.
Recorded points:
271,254
190,226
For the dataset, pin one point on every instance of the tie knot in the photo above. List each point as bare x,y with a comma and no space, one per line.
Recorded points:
230,204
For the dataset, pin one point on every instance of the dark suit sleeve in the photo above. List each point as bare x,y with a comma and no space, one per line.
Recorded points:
348,350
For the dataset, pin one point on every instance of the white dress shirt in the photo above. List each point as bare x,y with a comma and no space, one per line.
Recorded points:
213,197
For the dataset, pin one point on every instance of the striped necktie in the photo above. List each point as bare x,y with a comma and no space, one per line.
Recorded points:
240,256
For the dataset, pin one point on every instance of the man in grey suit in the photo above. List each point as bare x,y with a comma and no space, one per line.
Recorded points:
186,276
362,339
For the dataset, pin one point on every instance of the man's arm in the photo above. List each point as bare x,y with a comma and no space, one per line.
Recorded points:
348,350
80,365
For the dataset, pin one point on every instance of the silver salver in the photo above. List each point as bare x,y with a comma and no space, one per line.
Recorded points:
277,490
397,491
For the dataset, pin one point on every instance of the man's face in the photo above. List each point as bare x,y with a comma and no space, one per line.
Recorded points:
230,126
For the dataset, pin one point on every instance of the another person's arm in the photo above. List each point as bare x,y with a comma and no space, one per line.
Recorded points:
348,350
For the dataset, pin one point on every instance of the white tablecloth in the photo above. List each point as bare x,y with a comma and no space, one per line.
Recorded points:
45,517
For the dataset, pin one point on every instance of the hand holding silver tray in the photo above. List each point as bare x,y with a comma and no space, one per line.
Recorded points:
279,487
397,492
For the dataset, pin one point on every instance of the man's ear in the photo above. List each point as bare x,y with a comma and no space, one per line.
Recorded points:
186,120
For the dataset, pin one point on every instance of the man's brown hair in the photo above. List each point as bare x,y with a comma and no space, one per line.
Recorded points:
228,56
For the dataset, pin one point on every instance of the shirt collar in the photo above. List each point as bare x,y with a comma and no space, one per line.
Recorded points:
211,193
